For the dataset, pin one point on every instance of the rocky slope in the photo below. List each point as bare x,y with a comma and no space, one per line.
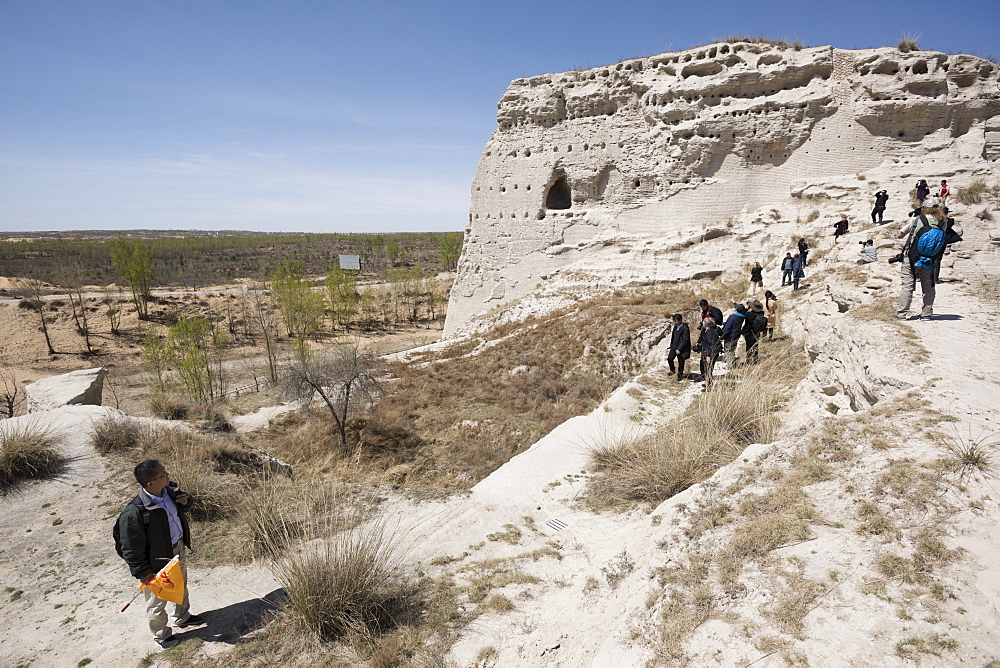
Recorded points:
599,170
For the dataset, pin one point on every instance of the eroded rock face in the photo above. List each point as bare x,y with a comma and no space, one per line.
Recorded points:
85,386
583,160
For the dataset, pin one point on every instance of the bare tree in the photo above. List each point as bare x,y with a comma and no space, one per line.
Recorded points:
114,311
11,393
264,321
72,279
342,377
31,289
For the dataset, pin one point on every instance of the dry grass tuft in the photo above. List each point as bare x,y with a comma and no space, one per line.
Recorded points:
739,410
972,193
169,406
119,433
909,42
28,452
971,457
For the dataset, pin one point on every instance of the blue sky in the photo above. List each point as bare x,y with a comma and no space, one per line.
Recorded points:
331,116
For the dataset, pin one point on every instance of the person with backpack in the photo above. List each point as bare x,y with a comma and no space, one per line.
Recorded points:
951,236
709,311
923,191
731,332
786,269
754,326
710,344
881,197
150,531
921,253
943,192
680,346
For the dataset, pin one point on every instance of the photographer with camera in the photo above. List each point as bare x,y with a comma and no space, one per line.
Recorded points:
921,253
869,253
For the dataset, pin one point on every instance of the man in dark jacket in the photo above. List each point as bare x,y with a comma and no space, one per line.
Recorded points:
786,269
709,311
153,530
731,333
709,344
754,327
680,345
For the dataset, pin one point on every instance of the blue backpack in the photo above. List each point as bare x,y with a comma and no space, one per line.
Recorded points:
926,245
929,246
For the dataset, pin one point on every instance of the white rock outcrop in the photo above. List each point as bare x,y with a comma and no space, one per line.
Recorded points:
85,386
592,169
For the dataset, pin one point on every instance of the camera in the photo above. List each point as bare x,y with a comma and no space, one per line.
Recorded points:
896,258
862,243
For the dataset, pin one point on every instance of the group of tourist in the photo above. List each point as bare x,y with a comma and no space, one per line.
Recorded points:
722,337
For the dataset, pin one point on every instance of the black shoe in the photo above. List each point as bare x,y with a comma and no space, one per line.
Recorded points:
670,373
168,642
193,620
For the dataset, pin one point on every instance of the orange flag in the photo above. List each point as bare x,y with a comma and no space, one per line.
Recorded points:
168,584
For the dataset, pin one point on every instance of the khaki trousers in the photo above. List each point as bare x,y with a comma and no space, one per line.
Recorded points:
908,283
156,608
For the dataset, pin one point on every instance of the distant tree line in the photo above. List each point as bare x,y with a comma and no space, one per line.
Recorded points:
193,261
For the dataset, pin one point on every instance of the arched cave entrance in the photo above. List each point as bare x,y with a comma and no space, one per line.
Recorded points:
559,195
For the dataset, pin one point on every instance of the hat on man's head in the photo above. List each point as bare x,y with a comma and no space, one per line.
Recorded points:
757,306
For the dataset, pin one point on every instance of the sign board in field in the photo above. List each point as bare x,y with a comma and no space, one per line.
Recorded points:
350,262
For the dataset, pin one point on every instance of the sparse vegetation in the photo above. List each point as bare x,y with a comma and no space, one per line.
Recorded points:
909,42
28,451
718,425
972,193
118,433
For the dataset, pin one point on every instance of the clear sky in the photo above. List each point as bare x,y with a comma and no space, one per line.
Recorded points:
308,115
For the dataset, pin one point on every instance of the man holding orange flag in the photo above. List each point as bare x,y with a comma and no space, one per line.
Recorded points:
152,531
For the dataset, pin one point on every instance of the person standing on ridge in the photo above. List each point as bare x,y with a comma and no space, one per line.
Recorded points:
797,271
786,269
757,277
731,332
923,191
881,197
680,346
919,258
803,252
771,310
943,193
152,530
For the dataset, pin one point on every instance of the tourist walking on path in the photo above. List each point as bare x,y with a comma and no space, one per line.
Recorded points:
680,346
881,197
919,259
797,271
709,343
709,311
152,530
771,310
786,269
803,251
757,277
923,191
754,327
869,253
840,228
731,333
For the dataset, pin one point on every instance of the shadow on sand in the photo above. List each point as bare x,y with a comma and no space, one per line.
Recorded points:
232,622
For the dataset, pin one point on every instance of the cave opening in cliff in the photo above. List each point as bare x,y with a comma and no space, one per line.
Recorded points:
559,195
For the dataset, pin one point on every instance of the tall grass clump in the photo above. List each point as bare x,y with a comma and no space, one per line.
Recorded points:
27,452
345,583
972,193
119,433
909,42
739,410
